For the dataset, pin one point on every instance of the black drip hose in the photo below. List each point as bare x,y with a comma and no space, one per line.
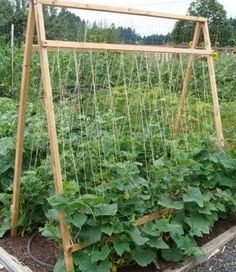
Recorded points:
34,258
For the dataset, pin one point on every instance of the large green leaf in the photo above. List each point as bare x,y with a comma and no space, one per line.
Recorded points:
121,246
137,237
90,235
108,229
163,225
193,194
166,202
77,220
198,225
7,144
100,255
144,257
173,254
158,243
105,209
59,202
5,226
151,229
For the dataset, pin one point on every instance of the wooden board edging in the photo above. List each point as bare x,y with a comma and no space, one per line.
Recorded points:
10,263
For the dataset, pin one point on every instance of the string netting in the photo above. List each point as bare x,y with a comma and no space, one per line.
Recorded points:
115,115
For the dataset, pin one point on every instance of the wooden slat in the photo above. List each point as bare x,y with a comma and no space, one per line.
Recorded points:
100,47
214,91
21,120
187,81
10,263
51,123
130,11
153,216
76,247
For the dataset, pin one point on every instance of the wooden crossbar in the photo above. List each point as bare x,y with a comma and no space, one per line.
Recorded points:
140,222
85,46
154,216
130,11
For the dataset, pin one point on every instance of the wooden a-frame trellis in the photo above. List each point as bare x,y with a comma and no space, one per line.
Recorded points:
36,21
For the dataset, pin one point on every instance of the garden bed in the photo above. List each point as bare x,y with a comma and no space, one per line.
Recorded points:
47,251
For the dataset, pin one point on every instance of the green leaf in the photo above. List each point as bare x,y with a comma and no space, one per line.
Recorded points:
85,264
6,144
52,214
59,202
166,202
227,182
161,161
173,254
97,255
220,207
90,199
5,227
144,257
121,246
78,220
104,266
163,225
158,243
90,235
151,229
193,194
108,229
60,265
105,209
184,243
136,236
198,225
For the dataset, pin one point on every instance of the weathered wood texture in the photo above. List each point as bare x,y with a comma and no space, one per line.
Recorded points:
21,119
130,11
85,46
51,123
187,80
216,105
10,263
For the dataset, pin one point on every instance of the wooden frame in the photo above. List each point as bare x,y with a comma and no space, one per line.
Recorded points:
36,20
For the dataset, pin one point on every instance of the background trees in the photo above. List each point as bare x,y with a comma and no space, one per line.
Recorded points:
222,30
65,25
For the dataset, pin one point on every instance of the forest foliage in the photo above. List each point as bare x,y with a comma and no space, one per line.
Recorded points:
64,25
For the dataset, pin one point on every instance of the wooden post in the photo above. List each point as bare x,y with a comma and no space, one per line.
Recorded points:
21,119
49,107
187,80
216,105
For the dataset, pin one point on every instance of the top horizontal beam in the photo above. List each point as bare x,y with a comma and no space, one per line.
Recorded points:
130,11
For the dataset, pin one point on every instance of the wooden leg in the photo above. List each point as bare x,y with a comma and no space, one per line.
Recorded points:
187,80
216,105
49,107
21,119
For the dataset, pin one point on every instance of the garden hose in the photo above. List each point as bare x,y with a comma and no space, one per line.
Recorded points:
34,258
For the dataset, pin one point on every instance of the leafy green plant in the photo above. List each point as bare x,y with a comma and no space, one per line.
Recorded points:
120,162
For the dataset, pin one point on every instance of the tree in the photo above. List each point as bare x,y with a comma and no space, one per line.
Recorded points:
19,18
233,25
6,15
220,28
